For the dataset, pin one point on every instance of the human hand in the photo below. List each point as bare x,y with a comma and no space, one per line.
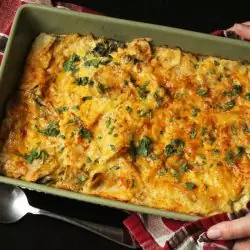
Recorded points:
238,229
242,30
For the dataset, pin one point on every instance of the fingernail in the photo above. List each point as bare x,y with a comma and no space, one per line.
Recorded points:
213,233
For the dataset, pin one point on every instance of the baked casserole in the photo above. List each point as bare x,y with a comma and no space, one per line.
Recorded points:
144,124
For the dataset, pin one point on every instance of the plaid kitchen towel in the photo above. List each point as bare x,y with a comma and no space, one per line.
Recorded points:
151,232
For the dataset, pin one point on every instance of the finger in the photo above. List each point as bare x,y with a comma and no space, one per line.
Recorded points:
242,244
232,27
242,30
229,230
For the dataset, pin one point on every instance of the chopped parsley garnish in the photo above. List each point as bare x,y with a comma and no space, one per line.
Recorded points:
229,105
158,98
114,168
202,92
51,130
76,107
132,149
211,138
129,109
190,185
247,96
111,130
34,154
82,81
230,157
115,135
195,111
240,151
85,98
76,119
82,178
146,113
107,46
94,62
193,133
113,148
69,64
233,129
108,122
72,134
175,147
203,131
99,137
145,146
174,172
142,90
236,90
178,142
62,136
184,167
101,88
162,171
61,109
85,133
215,152
88,159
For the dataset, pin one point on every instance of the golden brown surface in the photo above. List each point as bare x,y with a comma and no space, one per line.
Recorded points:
147,125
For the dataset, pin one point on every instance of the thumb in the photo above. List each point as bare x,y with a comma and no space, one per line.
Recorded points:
242,30
230,230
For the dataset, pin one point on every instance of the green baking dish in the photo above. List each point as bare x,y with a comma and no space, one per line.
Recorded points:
34,19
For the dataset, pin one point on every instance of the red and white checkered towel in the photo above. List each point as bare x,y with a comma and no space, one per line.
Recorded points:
151,232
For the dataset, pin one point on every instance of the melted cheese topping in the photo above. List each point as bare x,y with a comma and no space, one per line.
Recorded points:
152,126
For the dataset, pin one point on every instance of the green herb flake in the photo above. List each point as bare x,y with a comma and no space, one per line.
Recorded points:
88,159
83,81
230,157
229,105
129,109
190,185
76,107
233,129
101,88
195,111
99,137
85,133
115,135
174,172
184,167
240,151
34,154
113,147
162,172
236,90
215,152
158,98
193,133
85,98
62,137
211,138
61,109
69,64
114,168
178,142
93,62
202,92
76,119
108,122
72,134
203,131
82,178
52,129
169,150
145,146
247,96
142,90
111,130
